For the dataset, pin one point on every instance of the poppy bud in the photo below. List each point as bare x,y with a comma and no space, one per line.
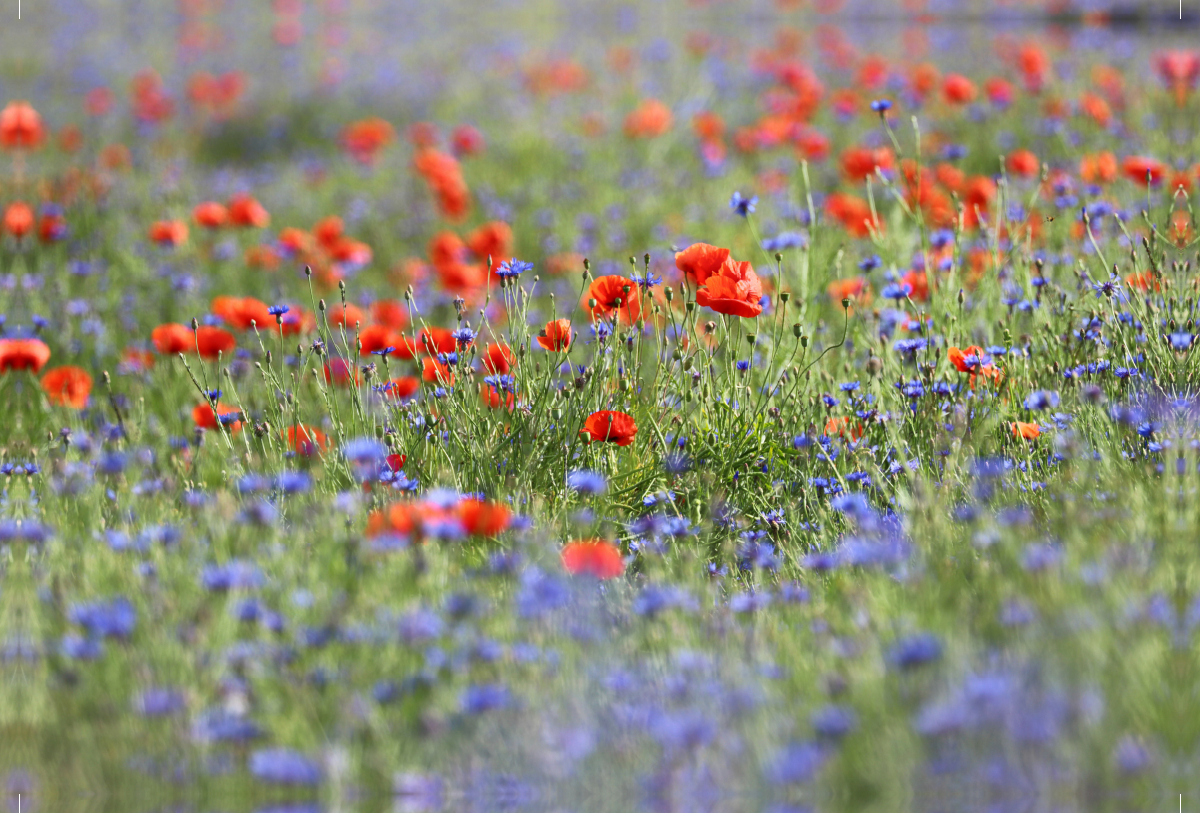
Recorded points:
778,257
195,324
321,305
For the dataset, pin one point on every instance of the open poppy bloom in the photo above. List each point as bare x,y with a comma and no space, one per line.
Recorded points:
173,338
169,232
401,388
841,427
1027,431
305,440
499,359
1144,171
18,219
247,213
614,296
67,386
649,119
595,557
243,313
210,215
204,417
23,354
556,335
20,127
735,290
966,361
214,341
374,338
483,517
610,426
699,261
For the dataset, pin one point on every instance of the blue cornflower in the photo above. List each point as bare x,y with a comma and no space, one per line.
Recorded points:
868,264
587,482
384,351
278,310
1180,341
511,269
647,281
284,766
463,336
785,240
881,106
1041,399
743,206
896,291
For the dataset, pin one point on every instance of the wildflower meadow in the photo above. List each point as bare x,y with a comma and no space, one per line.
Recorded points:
767,407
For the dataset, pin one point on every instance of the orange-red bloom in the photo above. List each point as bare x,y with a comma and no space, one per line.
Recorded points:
735,290
214,341
613,296
20,127
23,354
483,517
204,417
244,312
596,557
556,335
499,359
613,427
173,338
246,212
958,89
67,386
305,440
169,232
1027,431
649,119
18,219
1144,171
1023,163
699,261
210,215
363,139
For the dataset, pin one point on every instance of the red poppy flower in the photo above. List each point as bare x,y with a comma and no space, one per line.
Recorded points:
20,127
958,89
246,212
243,313
1027,431
556,335
499,359
169,232
204,417
614,296
341,373
483,517
390,312
438,340
965,361
597,558
859,163
396,461
376,337
465,140
305,441
18,219
611,426
1099,168
700,260
67,386
492,398
214,341
649,119
841,427
210,215
1138,168
493,239
363,139
434,372
23,354
403,387
173,338
734,291
1024,164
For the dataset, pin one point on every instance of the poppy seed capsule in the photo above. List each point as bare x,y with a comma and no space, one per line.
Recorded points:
797,330
804,341
785,296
